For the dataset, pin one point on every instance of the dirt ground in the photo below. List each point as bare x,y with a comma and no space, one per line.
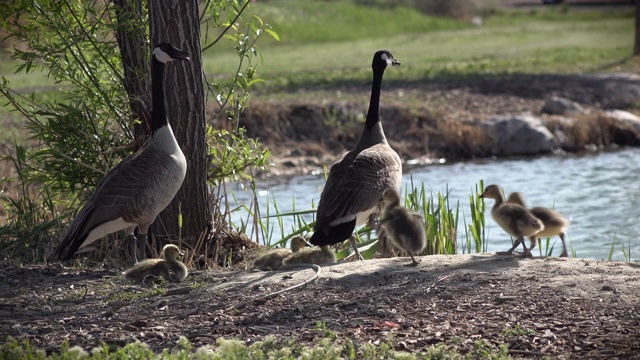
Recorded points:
540,307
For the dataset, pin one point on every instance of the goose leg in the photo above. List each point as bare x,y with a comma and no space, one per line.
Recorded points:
526,253
510,251
355,247
533,241
142,245
564,246
133,241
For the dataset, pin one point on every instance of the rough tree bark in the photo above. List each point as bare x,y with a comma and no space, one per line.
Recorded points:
132,41
636,48
177,22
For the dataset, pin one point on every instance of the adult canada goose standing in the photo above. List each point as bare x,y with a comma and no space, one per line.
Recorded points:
136,190
168,267
516,220
356,181
404,228
554,222
273,259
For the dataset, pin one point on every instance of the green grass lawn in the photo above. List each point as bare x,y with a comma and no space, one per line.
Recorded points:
552,40
324,43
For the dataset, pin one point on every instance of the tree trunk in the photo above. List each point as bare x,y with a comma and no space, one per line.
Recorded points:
177,22
132,41
636,48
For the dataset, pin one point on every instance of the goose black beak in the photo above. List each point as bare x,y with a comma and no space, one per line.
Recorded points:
395,63
181,55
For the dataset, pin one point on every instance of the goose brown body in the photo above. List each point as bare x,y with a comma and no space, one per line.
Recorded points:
514,219
167,267
356,181
135,191
405,229
554,223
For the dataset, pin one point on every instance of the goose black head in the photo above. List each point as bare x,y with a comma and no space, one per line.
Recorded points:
383,59
166,52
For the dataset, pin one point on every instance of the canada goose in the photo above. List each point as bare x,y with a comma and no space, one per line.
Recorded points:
512,218
168,267
312,255
554,222
136,190
356,181
273,259
404,228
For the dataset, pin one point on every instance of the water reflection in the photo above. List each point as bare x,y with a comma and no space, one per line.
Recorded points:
599,193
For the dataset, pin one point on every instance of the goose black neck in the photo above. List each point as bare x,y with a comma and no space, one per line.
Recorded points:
158,112
373,116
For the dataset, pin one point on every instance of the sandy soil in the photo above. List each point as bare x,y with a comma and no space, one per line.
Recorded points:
558,308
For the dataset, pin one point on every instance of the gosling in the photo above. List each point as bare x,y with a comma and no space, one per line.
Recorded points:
167,267
554,222
516,220
273,259
404,228
311,255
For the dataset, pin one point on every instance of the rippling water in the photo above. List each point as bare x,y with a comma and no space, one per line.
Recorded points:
599,193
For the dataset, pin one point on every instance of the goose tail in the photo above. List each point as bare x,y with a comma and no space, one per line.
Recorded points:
331,235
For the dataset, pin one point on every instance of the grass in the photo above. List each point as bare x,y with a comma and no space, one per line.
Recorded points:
312,52
440,216
326,348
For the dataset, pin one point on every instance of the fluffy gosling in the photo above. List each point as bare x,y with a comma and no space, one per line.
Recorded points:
167,267
516,220
404,228
312,255
273,259
554,222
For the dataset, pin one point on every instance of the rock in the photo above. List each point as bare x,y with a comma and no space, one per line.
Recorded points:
560,106
624,127
519,135
619,90
625,117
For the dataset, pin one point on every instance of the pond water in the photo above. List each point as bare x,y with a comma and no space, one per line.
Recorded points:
599,193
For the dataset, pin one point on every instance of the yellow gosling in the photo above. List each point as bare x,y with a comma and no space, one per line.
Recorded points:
516,220
312,255
554,222
167,267
405,229
273,259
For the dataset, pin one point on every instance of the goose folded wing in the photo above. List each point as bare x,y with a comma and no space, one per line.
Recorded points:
359,186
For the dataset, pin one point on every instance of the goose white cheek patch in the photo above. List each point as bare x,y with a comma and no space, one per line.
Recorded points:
386,58
162,56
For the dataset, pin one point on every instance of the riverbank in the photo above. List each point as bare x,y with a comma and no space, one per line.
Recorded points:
540,307
427,122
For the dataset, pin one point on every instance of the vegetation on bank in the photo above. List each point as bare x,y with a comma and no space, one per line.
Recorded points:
327,348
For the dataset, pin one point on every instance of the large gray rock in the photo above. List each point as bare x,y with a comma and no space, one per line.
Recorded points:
625,118
560,106
519,135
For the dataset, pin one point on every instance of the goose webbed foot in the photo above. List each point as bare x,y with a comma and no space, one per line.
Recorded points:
508,252
564,254
413,262
354,245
